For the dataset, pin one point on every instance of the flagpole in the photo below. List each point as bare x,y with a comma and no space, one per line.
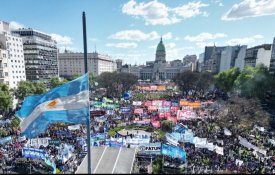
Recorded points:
86,71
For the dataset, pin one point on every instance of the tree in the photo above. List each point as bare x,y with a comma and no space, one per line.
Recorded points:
194,82
254,82
55,81
225,80
167,125
116,83
27,88
5,98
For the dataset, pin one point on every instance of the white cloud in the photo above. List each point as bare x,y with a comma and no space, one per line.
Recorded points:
204,36
15,25
245,41
250,8
157,13
203,44
170,45
63,40
122,45
190,10
137,35
167,36
176,52
177,38
220,4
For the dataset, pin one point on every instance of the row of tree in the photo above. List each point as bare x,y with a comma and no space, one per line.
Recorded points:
114,82
250,82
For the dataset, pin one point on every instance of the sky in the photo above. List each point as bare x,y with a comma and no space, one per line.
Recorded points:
131,29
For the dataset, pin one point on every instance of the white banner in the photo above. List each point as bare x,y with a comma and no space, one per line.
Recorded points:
137,103
38,142
219,150
171,139
200,142
239,162
74,127
246,144
227,132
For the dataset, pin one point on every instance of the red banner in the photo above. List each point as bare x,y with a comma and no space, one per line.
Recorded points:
185,115
147,103
166,103
174,109
161,115
157,103
138,111
167,114
156,124
152,108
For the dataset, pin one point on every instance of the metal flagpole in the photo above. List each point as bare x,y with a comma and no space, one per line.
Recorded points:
86,71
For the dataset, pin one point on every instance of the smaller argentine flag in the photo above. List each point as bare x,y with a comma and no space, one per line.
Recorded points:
68,103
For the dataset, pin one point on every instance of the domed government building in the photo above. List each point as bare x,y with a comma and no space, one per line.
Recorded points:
160,69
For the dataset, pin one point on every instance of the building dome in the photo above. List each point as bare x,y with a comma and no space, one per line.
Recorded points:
160,53
161,46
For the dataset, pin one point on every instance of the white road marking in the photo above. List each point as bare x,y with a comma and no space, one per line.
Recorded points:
100,159
116,160
133,160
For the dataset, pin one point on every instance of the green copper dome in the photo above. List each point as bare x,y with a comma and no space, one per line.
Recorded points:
161,46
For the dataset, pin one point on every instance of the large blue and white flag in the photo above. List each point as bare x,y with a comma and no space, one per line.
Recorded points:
68,103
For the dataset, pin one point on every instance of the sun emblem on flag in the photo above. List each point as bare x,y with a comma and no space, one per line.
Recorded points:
52,104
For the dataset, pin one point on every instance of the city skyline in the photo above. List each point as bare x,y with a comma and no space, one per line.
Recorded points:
132,29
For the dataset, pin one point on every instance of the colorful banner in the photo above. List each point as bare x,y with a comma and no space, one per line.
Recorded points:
161,115
173,151
164,109
5,140
33,153
54,142
156,124
185,115
74,127
196,104
166,104
153,88
161,88
157,103
125,109
174,108
175,103
147,103
138,111
152,108
137,103
150,148
145,121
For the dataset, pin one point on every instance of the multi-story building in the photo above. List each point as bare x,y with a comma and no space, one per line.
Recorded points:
208,52
272,60
40,53
71,63
258,54
119,63
12,63
232,56
159,69
189,59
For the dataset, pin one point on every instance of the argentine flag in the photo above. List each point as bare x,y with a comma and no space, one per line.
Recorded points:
68,103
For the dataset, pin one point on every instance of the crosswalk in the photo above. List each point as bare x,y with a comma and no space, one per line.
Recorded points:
109,160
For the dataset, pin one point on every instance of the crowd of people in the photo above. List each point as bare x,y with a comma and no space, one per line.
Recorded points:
236,158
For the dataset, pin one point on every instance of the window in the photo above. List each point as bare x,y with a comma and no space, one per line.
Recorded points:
6,74
5,65
4,55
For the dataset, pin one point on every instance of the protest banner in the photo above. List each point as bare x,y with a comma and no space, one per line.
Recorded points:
138,111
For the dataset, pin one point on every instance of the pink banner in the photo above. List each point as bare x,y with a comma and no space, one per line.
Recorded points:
152,108
153,88
166,103
161,115
174,108
173,119
167,114
147,103
156,124
157,103
185,115
138,111
142,121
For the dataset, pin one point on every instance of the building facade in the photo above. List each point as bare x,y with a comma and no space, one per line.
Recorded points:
258,54
12,63
159,69
71,63
272,60
40,52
